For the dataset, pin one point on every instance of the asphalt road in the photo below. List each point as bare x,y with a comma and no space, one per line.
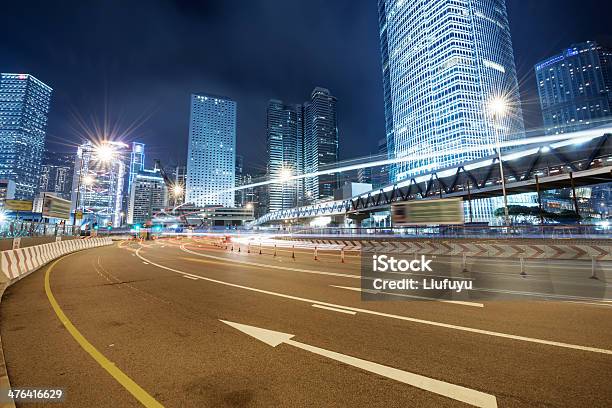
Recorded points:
146,323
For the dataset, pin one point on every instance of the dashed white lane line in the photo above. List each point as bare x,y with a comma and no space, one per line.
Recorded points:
334,309
456,302
392,316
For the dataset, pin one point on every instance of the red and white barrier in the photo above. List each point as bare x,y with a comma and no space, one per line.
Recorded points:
602,252
16,263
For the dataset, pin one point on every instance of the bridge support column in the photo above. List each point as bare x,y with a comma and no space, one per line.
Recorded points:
571,176
358,218
537,180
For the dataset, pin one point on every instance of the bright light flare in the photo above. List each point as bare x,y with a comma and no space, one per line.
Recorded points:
104,152
285,174
88,180
498,106
177,190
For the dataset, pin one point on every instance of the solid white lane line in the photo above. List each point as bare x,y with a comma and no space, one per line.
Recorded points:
146,263
393,316
456,392
334,309
456,302
190,277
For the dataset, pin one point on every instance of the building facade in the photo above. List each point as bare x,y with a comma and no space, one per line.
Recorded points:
320,144
56,174
148,197
575,87
24,106
285,138
575,90
211,153
301,139
137,162
98,182
443,63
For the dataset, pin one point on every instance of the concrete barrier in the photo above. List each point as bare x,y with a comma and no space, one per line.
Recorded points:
17,263
527,249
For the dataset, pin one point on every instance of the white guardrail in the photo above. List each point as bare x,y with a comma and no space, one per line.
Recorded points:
16,263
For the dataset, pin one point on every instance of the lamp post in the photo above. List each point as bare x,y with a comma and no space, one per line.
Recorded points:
498,107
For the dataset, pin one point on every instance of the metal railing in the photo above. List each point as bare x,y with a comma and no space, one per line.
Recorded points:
464,231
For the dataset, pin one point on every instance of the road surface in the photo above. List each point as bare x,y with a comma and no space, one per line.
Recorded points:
180,323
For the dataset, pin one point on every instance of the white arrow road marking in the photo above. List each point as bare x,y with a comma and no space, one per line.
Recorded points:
456,392
388,315
334,309
457,302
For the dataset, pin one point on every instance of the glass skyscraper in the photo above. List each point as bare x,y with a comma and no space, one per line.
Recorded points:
575,87
301,139
56,174
98,182
443,61
24,105
320,144
285,135
137,162
211,157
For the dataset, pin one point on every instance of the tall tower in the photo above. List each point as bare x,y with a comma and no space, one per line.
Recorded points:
575,87
98,182
443,62
137,161
211,157
284,142
24,105
320,144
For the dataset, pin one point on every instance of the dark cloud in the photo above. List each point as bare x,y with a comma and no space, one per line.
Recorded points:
136,62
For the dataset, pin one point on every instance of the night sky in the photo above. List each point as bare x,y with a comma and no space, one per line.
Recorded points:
133,64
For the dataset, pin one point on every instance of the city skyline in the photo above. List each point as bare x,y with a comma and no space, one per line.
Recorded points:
252,86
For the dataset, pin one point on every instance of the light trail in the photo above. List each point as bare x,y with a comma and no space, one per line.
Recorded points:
580,136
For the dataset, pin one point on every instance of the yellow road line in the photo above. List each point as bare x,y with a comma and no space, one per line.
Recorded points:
138,392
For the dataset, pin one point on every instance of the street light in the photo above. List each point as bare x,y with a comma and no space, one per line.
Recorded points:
177,190
498,107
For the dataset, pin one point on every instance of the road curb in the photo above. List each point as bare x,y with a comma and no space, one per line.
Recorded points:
4,378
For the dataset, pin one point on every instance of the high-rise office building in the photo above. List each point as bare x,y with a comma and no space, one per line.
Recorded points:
56,174
98,182
320,144
148,196
137,162
301,139
285,152
24,105
443,63
211,157
575,87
